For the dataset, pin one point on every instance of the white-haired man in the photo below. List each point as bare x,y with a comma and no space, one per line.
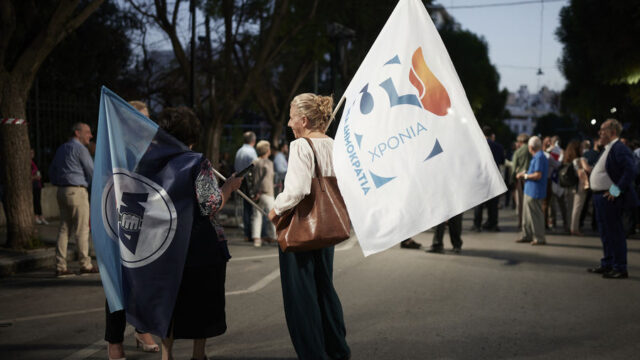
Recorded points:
535,191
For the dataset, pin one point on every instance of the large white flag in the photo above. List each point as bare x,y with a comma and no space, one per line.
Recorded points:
409,153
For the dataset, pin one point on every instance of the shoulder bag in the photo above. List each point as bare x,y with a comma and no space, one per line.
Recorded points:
318,221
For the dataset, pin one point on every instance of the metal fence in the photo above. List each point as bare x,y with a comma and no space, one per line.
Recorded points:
50,122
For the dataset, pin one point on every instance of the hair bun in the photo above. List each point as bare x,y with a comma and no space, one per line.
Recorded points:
325,106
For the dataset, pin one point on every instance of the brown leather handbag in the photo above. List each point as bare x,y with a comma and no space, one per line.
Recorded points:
318,221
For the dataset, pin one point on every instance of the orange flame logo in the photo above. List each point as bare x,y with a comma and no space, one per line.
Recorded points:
432,94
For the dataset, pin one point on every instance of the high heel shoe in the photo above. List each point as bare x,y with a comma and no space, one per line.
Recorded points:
145,347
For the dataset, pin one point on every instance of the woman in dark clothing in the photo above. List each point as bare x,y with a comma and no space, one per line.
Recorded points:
199,310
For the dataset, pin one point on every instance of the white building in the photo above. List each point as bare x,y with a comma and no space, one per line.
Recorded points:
525,108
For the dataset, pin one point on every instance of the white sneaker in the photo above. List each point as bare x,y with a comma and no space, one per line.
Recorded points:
44,221
257,242
38,221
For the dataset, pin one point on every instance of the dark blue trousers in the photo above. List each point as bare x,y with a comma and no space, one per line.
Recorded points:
247,212
610,226
311,305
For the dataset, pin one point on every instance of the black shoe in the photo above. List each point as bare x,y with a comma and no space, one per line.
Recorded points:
491,228
615,274
476,229
410,244
598,270
457,250
435,250
64,273
91,270
523,240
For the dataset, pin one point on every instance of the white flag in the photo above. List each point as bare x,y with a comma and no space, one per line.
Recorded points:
409,153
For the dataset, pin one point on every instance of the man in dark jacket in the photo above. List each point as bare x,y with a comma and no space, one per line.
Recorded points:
492,204
612,181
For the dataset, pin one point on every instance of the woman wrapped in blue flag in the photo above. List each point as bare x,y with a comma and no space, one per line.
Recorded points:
199,311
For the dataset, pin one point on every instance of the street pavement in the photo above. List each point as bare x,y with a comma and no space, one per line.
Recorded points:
496,300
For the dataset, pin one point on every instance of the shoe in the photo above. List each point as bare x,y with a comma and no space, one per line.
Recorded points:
64,273
536,242
435,250
91,270
268,240
598,270
523,240
410,244
615,274
457,250
476,229
491,228
145,347
38,221
257,242
44,221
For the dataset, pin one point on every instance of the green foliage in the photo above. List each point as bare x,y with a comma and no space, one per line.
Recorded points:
97,53
601,58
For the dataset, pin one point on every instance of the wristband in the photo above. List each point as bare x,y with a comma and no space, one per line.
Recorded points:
614,190
526,176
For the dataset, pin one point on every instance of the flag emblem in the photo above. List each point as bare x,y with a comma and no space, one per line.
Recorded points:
141,240
408,152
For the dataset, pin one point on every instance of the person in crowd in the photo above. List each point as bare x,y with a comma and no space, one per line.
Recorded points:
263,188
71,171
199,311
613,191
556,203
566,178
455,230
492,204
311,305
36,185
521,158
575,196
116,321
280,166
592,155
244,157
535,191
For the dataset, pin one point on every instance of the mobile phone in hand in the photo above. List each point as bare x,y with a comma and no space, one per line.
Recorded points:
244,171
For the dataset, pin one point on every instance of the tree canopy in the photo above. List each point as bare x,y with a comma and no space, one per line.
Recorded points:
601,59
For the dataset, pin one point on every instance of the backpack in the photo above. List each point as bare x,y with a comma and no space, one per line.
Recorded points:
567,176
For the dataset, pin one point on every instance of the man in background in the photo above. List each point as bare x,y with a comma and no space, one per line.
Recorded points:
244,157
71,171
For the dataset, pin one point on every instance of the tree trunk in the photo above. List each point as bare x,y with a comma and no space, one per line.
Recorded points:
213,137
16,170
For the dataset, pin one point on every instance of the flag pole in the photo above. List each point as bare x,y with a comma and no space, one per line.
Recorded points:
335,111
241,194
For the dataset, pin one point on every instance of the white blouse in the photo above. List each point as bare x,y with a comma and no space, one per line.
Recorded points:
297,182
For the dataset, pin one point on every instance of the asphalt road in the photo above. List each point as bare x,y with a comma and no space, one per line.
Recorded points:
496,300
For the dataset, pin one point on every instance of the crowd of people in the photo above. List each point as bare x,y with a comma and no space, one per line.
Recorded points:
555,190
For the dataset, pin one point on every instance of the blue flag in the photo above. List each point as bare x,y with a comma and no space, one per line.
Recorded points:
142,206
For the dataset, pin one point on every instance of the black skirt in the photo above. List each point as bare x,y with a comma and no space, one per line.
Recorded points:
199,311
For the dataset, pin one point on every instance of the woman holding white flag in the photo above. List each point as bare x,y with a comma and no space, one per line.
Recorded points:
311,305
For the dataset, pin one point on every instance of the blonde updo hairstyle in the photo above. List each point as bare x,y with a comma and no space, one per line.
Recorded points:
317,109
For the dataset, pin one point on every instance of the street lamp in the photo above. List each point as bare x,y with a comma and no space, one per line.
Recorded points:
593,121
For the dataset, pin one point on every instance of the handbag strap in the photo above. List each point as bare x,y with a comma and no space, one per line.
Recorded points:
317,165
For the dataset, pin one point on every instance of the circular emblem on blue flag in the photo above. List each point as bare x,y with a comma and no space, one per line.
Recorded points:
139,214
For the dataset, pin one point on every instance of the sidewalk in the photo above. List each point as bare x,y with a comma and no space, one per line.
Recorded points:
12,262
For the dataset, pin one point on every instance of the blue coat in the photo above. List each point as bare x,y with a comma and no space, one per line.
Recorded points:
620,167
